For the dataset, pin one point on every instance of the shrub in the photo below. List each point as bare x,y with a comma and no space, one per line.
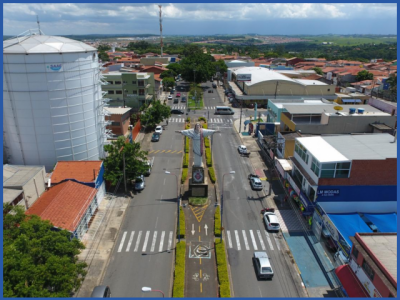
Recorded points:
217,222
184,175
207,142
205,126
181,223
179,276
186,160
208,157
212,174
187,144
187,126
222,270
203,119
188,120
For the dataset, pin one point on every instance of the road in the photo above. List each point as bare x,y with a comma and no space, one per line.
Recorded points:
140,256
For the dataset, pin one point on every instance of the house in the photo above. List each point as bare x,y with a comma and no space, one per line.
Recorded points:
293,61
90,173
23,185
119,119
68,205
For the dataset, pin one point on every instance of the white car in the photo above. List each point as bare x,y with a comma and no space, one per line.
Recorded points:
242,149
158,129
271,220
169,97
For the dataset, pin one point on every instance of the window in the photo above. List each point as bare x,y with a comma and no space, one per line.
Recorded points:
301,151
335,170
124,82
315,166
118,92
133,82
111,92
115,124
140,82
368,270
118,82
355,252
110,82
329,90
134,92
141,92
311,194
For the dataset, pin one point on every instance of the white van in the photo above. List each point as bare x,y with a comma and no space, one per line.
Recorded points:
223,110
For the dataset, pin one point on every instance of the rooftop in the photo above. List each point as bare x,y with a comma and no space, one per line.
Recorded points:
10,194
18,176
326,108
64,204
118,110
83,171
259,74
310,82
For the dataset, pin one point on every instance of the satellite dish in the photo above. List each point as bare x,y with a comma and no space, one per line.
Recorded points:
338,108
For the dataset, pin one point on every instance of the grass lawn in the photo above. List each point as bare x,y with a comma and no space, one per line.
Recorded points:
198,200
193,105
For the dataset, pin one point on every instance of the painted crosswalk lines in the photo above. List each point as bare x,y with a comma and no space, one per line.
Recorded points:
153,244
251,239
260,239
246,244
161,241
269,240
237,240
165,151
146,239
130,241
153,241
122,242
137,242
228,234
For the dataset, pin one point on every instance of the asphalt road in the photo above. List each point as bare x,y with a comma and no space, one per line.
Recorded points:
140,256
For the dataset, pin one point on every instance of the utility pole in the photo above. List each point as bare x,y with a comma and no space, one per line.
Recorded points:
240,122
161,41
123,157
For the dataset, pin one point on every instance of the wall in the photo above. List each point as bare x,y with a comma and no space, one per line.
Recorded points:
383,105
35,186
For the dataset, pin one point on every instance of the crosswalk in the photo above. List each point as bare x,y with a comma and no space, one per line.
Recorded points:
165,151
145,241
251,240
184,107
211,120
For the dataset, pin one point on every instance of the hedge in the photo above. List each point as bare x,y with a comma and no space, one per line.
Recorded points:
186,160
208,157
179,276
217,222
207,142
222,270
188,119
212,174
184,175
202,119
187,126
205,126
181,223
187,142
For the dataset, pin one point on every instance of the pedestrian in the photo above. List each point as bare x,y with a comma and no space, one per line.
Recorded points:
167,122
310,221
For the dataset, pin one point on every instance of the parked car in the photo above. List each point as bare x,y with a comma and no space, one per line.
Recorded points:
242,149
169,97
262,265
210,91
101,291
250,105
178,94
149,164
155,137
177,112
271,220
265,106
183,99
139,183
176,100
159,129
255,182
214,85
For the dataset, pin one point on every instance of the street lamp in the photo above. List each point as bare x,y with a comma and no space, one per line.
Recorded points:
177,203
146,289
222,198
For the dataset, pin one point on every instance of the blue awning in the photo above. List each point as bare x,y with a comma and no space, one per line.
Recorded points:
351,101
349,224
384,222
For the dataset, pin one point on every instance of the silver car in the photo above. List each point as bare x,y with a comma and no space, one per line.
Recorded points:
101,291
139,183
262,265
256,183
271,221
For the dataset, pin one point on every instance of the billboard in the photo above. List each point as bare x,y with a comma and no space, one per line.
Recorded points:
243,77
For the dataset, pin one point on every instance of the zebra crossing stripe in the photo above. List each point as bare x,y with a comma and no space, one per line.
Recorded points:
130,241
261,240
276,241
246,243
228,234
138,241
122,242
269,240
146,239
253,240
161,241
153,244
170,240
237,240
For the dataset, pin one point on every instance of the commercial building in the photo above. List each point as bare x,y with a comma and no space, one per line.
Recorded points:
52,100
119,120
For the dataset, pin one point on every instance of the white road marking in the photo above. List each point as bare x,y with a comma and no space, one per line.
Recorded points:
161,241
170,240
138,241
253,240
276,241
130,241
146,239
260,239
122,242
246,243
237,239
164,181
269,240
228,234
153,244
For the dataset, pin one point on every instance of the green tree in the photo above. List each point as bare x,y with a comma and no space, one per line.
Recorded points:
114,162
202,63
168,73
38,261
392,80
104,56
155,114
103,48
168,82
177,68
318,70
364,75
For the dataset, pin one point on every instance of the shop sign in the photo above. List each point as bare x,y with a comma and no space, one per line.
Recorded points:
303,199
243,77
331,227
294,186
328,192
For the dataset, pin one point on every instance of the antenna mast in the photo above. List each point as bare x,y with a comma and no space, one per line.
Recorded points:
161,42
38,23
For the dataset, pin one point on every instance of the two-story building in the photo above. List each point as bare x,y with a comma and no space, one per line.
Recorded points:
119,120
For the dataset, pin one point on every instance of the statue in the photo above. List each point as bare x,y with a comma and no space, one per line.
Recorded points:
197,135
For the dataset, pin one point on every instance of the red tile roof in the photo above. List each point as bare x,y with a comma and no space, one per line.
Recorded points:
64,204
79,170
157,67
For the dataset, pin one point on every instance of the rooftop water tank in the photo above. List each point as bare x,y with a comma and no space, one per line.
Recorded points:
360,111
352,110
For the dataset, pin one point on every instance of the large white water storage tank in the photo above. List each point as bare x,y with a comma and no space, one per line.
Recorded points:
52,101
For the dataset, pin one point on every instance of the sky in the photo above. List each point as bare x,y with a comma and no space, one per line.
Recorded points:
201,18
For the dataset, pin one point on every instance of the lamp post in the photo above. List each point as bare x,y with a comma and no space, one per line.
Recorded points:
177,203
222,198
146,289
195,87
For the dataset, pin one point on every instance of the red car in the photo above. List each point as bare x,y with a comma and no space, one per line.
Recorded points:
251,105
178,94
